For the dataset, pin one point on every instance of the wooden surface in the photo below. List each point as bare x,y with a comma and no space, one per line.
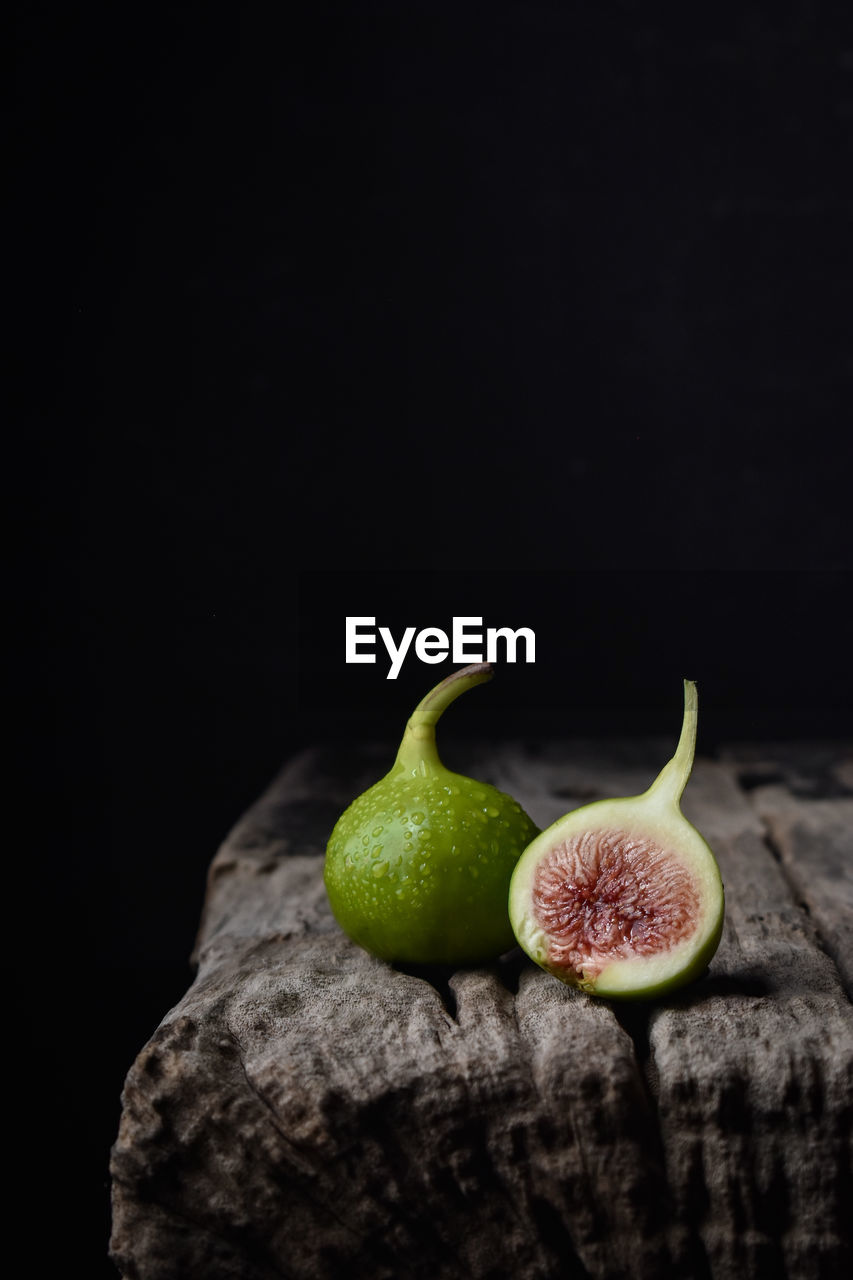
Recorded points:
307,1111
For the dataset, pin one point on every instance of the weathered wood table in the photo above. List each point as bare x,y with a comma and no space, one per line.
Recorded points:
307,1111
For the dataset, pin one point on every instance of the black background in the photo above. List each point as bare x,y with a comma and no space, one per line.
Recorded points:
538,312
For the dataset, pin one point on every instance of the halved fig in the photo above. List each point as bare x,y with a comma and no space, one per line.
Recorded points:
623,898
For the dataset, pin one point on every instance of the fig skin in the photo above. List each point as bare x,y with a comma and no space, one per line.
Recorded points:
418,867
663,932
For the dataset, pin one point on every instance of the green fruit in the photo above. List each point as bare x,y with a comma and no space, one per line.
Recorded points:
623,898
418,867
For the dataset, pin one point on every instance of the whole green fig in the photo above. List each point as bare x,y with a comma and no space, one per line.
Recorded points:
418,867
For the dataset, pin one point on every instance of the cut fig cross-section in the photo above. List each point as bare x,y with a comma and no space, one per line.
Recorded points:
623,898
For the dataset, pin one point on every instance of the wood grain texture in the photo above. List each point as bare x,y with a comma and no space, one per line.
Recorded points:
308,1111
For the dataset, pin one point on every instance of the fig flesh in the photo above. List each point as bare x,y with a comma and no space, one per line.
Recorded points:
417,868
623,898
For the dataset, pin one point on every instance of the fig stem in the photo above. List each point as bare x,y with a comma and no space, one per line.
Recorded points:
418,752
672,779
